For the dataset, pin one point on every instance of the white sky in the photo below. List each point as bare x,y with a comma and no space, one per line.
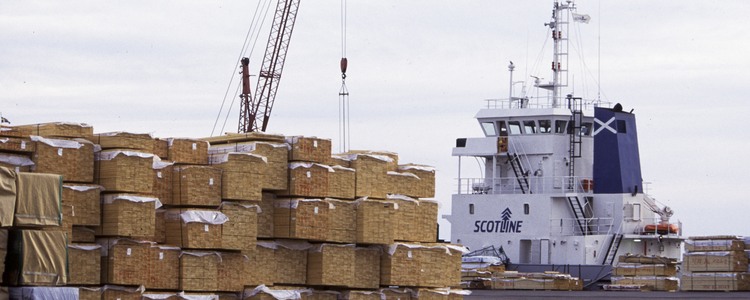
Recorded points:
418,72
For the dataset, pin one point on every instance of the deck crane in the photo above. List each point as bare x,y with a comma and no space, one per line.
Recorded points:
255,111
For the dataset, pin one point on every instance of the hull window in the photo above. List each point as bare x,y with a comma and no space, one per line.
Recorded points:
471,209
525,208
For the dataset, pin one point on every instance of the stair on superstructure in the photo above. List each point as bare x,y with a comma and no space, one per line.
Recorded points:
521,176
614,245
579,214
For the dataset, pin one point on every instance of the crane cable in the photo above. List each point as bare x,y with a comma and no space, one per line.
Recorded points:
344,132
256,24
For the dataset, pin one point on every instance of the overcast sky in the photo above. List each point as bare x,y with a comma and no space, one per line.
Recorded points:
418,72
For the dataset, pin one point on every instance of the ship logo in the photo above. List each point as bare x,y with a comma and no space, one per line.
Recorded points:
504,225
506,214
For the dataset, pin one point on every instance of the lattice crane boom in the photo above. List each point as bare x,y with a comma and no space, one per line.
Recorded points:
273,65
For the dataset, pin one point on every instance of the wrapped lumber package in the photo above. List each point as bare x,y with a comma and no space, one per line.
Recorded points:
114,292
715,281
142,142
714,245
14,131
85,201
342,221
426,186
402,183
188,151
199,271
125,171
370,174
341,183
643,259
427,212
243,175
127,215
657,283
436,267
73,159
341,160
375,221
405,218
58,129
366,267
3,249
399,265
715,261
196,186
276,154
265,216
83,235
291,261
149,295
16,162
307,180
233,272
43,292
90,293
124,261
162,186
241,229
84,264
39,200
161,148
263,260
305,219
163,268
309,149
8,194
331,265
361,295
394,293
193,228
635,269
17,145
36,257
311,294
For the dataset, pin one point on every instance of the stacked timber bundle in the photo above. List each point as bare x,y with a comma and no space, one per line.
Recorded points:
136,216
715,263
511,280
652,273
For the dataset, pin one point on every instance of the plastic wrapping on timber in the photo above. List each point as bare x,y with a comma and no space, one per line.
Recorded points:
319,247
41,292
393,247
158,296
68,144
242,148
116,133
416,167
354,156
185,296
343,169
294,203
294,244
170,141
139,199
248,206
85,247
160,164
139,289
83,188
307,165
710,253
111,154
203,216
16,160
224,157
201,253
276,294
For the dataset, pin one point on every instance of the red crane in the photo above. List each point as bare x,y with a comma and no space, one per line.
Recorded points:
255,112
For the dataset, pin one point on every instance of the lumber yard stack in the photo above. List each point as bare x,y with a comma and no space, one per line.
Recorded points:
715,263
645,273
241,216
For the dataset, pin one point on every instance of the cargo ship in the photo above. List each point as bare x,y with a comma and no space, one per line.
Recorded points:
560,186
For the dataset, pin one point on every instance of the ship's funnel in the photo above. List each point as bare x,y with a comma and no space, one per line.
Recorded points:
617,164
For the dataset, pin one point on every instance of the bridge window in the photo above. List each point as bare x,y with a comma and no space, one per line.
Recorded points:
586,129
529,127
489,129
560,126
515,127
545,126
501,127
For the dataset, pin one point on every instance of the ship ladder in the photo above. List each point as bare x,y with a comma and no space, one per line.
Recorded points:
575,205
575,132
521,175
614,245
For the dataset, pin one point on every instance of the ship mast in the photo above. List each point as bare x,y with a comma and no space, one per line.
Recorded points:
560,23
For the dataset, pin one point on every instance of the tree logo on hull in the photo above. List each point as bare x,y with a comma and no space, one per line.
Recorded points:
504,225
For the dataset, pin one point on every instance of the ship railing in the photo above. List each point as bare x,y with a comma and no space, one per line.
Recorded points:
538,102
537,185
571,227
642,230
